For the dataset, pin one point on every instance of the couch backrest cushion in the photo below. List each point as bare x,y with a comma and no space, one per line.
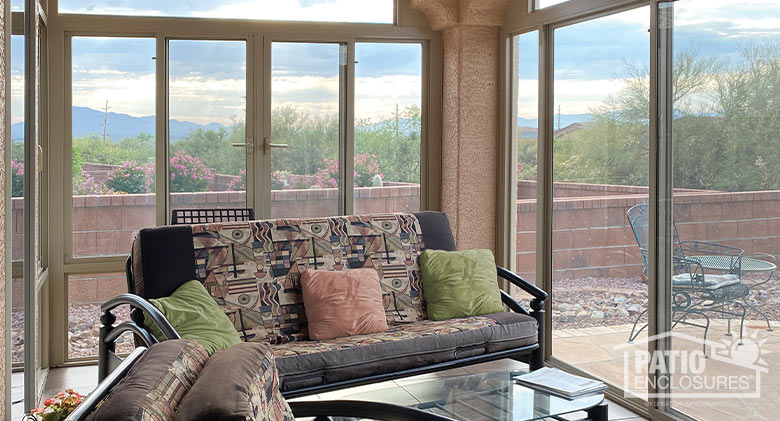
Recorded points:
252,268
162,260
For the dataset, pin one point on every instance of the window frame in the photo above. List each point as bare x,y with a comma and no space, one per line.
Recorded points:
257,34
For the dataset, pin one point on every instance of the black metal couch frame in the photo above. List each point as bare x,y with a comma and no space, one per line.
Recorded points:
109,360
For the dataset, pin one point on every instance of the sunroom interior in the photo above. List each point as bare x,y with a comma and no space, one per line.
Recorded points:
594,146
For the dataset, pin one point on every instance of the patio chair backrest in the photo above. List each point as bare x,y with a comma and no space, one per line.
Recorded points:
639,219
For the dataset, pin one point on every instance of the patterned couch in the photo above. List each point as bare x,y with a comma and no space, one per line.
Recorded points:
252,270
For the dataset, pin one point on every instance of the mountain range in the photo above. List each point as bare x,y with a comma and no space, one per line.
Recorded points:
88,121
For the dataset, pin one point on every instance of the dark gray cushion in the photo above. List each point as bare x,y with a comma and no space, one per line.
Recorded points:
436,231
402,347
163,260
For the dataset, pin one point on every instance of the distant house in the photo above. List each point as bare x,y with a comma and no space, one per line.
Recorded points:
571,128
524,132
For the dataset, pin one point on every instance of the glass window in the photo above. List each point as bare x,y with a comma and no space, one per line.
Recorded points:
600,171
85,295
526,138
371,11
207,116
113,143
17,146
305,124
548,3
388,126
725,132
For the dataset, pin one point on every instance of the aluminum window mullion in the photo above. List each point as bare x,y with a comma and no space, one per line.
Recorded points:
544,201
265,116
30,176
161,131
346,203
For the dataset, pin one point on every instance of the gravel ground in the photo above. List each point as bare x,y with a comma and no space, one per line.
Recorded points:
590,302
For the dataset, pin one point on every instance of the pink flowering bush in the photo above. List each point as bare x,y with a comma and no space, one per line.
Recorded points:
129,178
238,183
366,168
87,185
17,178
279,179
328,177
189,174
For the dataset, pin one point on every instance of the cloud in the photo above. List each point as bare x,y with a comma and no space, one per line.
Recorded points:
377,11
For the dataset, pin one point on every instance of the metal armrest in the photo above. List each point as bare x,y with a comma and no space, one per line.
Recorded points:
361,409
513,304
537,305
135,301
521,283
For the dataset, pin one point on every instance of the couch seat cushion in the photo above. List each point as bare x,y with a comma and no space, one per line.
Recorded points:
403,346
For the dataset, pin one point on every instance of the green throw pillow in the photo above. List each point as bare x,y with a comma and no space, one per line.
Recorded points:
194,314
460,283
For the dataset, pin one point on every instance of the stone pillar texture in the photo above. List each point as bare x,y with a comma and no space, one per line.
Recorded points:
470,114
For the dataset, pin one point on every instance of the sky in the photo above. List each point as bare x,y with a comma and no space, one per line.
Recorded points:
208,78
591,57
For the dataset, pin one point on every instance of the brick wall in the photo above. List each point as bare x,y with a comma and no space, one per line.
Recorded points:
591,237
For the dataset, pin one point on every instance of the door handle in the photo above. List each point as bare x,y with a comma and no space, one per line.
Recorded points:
267,145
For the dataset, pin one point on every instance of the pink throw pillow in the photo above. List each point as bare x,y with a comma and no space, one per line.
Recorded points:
343,303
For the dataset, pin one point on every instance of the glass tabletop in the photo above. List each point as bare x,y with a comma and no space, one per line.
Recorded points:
485,396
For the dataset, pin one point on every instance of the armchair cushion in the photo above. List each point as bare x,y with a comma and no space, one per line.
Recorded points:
240,383
688,280
460,283
343,303
156,384
195,315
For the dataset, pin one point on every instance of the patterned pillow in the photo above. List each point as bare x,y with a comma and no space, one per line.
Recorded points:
253,268
239,383
156,384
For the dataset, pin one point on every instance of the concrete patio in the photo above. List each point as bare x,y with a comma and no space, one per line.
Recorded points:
596,350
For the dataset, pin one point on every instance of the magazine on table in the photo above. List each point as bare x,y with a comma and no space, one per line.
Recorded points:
560,383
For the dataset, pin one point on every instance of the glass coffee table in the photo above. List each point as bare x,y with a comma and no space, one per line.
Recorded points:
484,396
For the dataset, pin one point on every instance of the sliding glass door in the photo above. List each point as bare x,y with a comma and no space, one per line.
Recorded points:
718,90
600,171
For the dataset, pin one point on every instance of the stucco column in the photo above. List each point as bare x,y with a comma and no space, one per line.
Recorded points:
470,114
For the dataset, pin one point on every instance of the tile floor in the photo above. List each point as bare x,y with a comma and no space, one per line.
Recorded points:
83,379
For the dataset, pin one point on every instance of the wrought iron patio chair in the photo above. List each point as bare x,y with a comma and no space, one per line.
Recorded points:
695,292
